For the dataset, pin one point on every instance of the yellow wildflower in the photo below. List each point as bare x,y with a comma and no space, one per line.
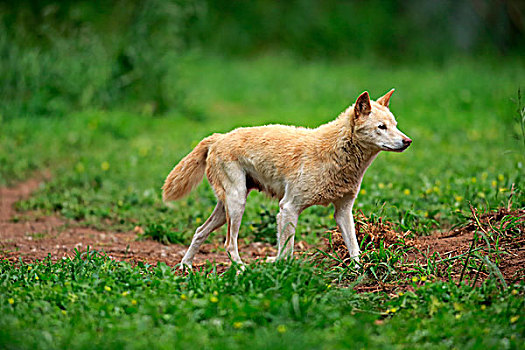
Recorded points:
381,185
406,191
104,166
363,191
184,297
214,299
107,288
513,319
237,325
501,177
457,306
281,328
11,301
133,302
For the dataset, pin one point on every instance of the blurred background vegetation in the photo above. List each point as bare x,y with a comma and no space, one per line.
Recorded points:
109,95
58,56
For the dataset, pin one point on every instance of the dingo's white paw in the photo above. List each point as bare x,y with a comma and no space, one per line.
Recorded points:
185,266
271,259
354,255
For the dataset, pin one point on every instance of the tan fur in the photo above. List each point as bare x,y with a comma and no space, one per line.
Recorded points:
299,166
189,172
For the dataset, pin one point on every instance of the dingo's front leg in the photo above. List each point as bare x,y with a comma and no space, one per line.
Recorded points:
286,224
345,221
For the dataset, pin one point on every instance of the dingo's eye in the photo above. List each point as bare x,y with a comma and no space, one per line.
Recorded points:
382,126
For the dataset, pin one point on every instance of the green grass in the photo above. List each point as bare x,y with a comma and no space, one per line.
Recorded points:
91,301
108,166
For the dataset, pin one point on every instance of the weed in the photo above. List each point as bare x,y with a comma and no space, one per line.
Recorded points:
161,233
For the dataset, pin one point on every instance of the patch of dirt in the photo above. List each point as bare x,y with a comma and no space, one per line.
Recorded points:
500,233
374,233
29,237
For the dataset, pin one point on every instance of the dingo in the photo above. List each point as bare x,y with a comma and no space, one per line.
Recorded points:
301,167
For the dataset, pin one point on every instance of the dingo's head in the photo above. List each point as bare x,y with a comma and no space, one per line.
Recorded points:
376,126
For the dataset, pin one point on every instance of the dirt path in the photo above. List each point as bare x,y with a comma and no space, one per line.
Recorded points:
29,237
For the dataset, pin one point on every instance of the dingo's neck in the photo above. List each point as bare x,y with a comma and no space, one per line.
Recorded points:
349,157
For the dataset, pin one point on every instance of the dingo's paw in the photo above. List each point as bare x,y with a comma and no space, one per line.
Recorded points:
185,266
271,259
355,259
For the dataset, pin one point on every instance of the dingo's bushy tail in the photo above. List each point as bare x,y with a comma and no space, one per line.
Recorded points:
189,172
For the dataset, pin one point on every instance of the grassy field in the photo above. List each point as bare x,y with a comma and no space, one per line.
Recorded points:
94,302
108,166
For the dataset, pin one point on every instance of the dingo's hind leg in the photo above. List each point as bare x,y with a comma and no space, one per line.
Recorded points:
216,220
233,181
235,204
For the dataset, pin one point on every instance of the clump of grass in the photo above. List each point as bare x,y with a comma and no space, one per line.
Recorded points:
162,233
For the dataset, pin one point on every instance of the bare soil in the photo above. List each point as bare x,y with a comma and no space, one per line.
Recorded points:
452,248
31,237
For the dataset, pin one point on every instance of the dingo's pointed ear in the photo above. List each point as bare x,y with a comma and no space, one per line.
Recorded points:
385,100
362,105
